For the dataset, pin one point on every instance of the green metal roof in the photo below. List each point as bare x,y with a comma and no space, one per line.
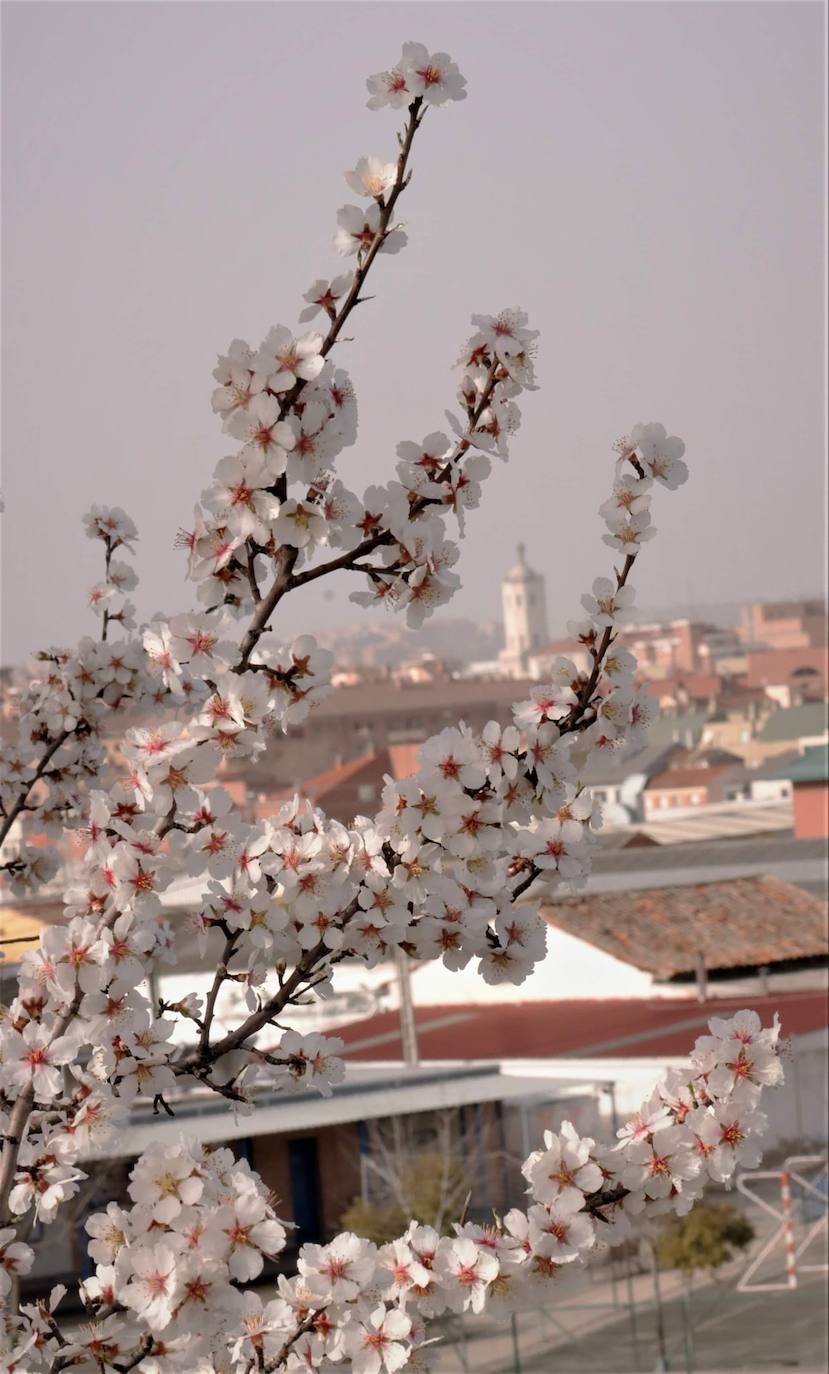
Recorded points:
796,722
811,766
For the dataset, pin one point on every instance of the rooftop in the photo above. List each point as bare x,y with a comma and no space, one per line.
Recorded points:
628,1028
810,766
744,922
685,777
796,722
380,698
800,862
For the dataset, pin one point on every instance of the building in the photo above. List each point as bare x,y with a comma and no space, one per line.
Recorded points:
616,1046
354,721
699,691
789,676
617,780
348,789
722,930
808,776
784,624
539,665
683,786
793,727
524,603
676,647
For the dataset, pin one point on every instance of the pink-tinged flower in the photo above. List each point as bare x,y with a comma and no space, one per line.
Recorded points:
564,1168
325,295
152,1289
466,1271
660,1165
388,88
15,1258
34,1056
357,229
263,431
561,1231
241,1232
371,177
660,454
377,1342
432,76
283,360
338,1272
165,1180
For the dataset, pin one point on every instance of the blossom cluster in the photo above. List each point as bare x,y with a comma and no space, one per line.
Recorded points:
66,713
453,867
170,1268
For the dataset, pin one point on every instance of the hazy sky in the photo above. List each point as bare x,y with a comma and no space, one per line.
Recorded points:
645,179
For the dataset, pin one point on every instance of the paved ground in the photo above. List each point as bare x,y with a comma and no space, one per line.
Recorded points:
722,1330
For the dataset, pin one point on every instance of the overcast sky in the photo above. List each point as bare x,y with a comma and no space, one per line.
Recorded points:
645,179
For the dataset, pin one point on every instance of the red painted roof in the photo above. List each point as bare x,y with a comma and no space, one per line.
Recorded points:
624,1028
673,778
699,686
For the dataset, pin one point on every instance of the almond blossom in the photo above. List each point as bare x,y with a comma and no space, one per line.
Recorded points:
454,866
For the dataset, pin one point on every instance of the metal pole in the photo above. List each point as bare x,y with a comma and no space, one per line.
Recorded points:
786,1199
408,1024
662,1362
632,1306
516,1354
687,1332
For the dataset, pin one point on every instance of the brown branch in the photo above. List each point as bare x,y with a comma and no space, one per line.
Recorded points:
287,556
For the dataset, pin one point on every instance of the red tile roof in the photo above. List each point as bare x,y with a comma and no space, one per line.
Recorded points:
682,777
739,923
629,1028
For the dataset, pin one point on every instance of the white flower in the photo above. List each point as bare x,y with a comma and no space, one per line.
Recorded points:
465,1271
371,177
35,1056
15,1258
454,755
358,228
659,1165
628,534
433,76
263,431
561,1231
152,1289
283,360
240,494
299,523
661,454
241,1232
165,1180
506,334
339,1271
388,88
564,1168
376,1342
609,604
325,295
